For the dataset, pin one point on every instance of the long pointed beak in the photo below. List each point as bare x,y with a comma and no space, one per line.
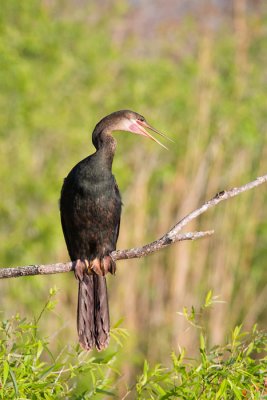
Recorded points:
144,124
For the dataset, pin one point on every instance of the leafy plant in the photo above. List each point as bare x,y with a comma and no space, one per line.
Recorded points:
236,370
28,369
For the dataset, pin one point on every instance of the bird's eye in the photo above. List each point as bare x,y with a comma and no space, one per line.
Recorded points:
141,119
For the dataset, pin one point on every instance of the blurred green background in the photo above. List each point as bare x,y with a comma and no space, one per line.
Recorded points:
197,74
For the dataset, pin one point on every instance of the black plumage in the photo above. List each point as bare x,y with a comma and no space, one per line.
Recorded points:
90,207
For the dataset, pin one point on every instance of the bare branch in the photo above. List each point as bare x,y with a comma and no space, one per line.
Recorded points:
221,196
169,238
48,269
157,245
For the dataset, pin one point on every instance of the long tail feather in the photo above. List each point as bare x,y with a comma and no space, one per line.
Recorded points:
93,312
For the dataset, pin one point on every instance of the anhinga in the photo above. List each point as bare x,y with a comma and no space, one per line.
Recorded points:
90,208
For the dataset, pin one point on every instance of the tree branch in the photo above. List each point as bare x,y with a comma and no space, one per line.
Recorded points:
169,238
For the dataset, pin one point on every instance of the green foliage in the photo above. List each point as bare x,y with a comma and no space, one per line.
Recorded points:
28,369
236,370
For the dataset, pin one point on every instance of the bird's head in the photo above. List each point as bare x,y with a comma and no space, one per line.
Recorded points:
129,121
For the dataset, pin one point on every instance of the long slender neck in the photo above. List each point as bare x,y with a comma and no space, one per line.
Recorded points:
105,145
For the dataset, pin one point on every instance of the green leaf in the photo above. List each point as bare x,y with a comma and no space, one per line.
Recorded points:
118,323
5,371
51,305
222,390
53,291
202,342
39,349
250,348
13,378
208,300
107,392
159,389
237,392
46,372
145,370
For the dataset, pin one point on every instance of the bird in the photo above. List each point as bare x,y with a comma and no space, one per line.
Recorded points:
90,210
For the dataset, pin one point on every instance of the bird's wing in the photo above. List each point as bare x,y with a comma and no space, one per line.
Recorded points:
117,229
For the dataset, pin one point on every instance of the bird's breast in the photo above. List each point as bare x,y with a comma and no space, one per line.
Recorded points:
100,198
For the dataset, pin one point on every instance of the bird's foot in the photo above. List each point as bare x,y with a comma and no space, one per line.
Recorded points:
101,266
81,267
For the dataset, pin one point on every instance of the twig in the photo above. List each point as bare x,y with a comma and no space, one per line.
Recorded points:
169,238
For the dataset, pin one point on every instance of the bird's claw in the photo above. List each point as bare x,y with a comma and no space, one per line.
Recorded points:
109,265
80,267
101,266
95,266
